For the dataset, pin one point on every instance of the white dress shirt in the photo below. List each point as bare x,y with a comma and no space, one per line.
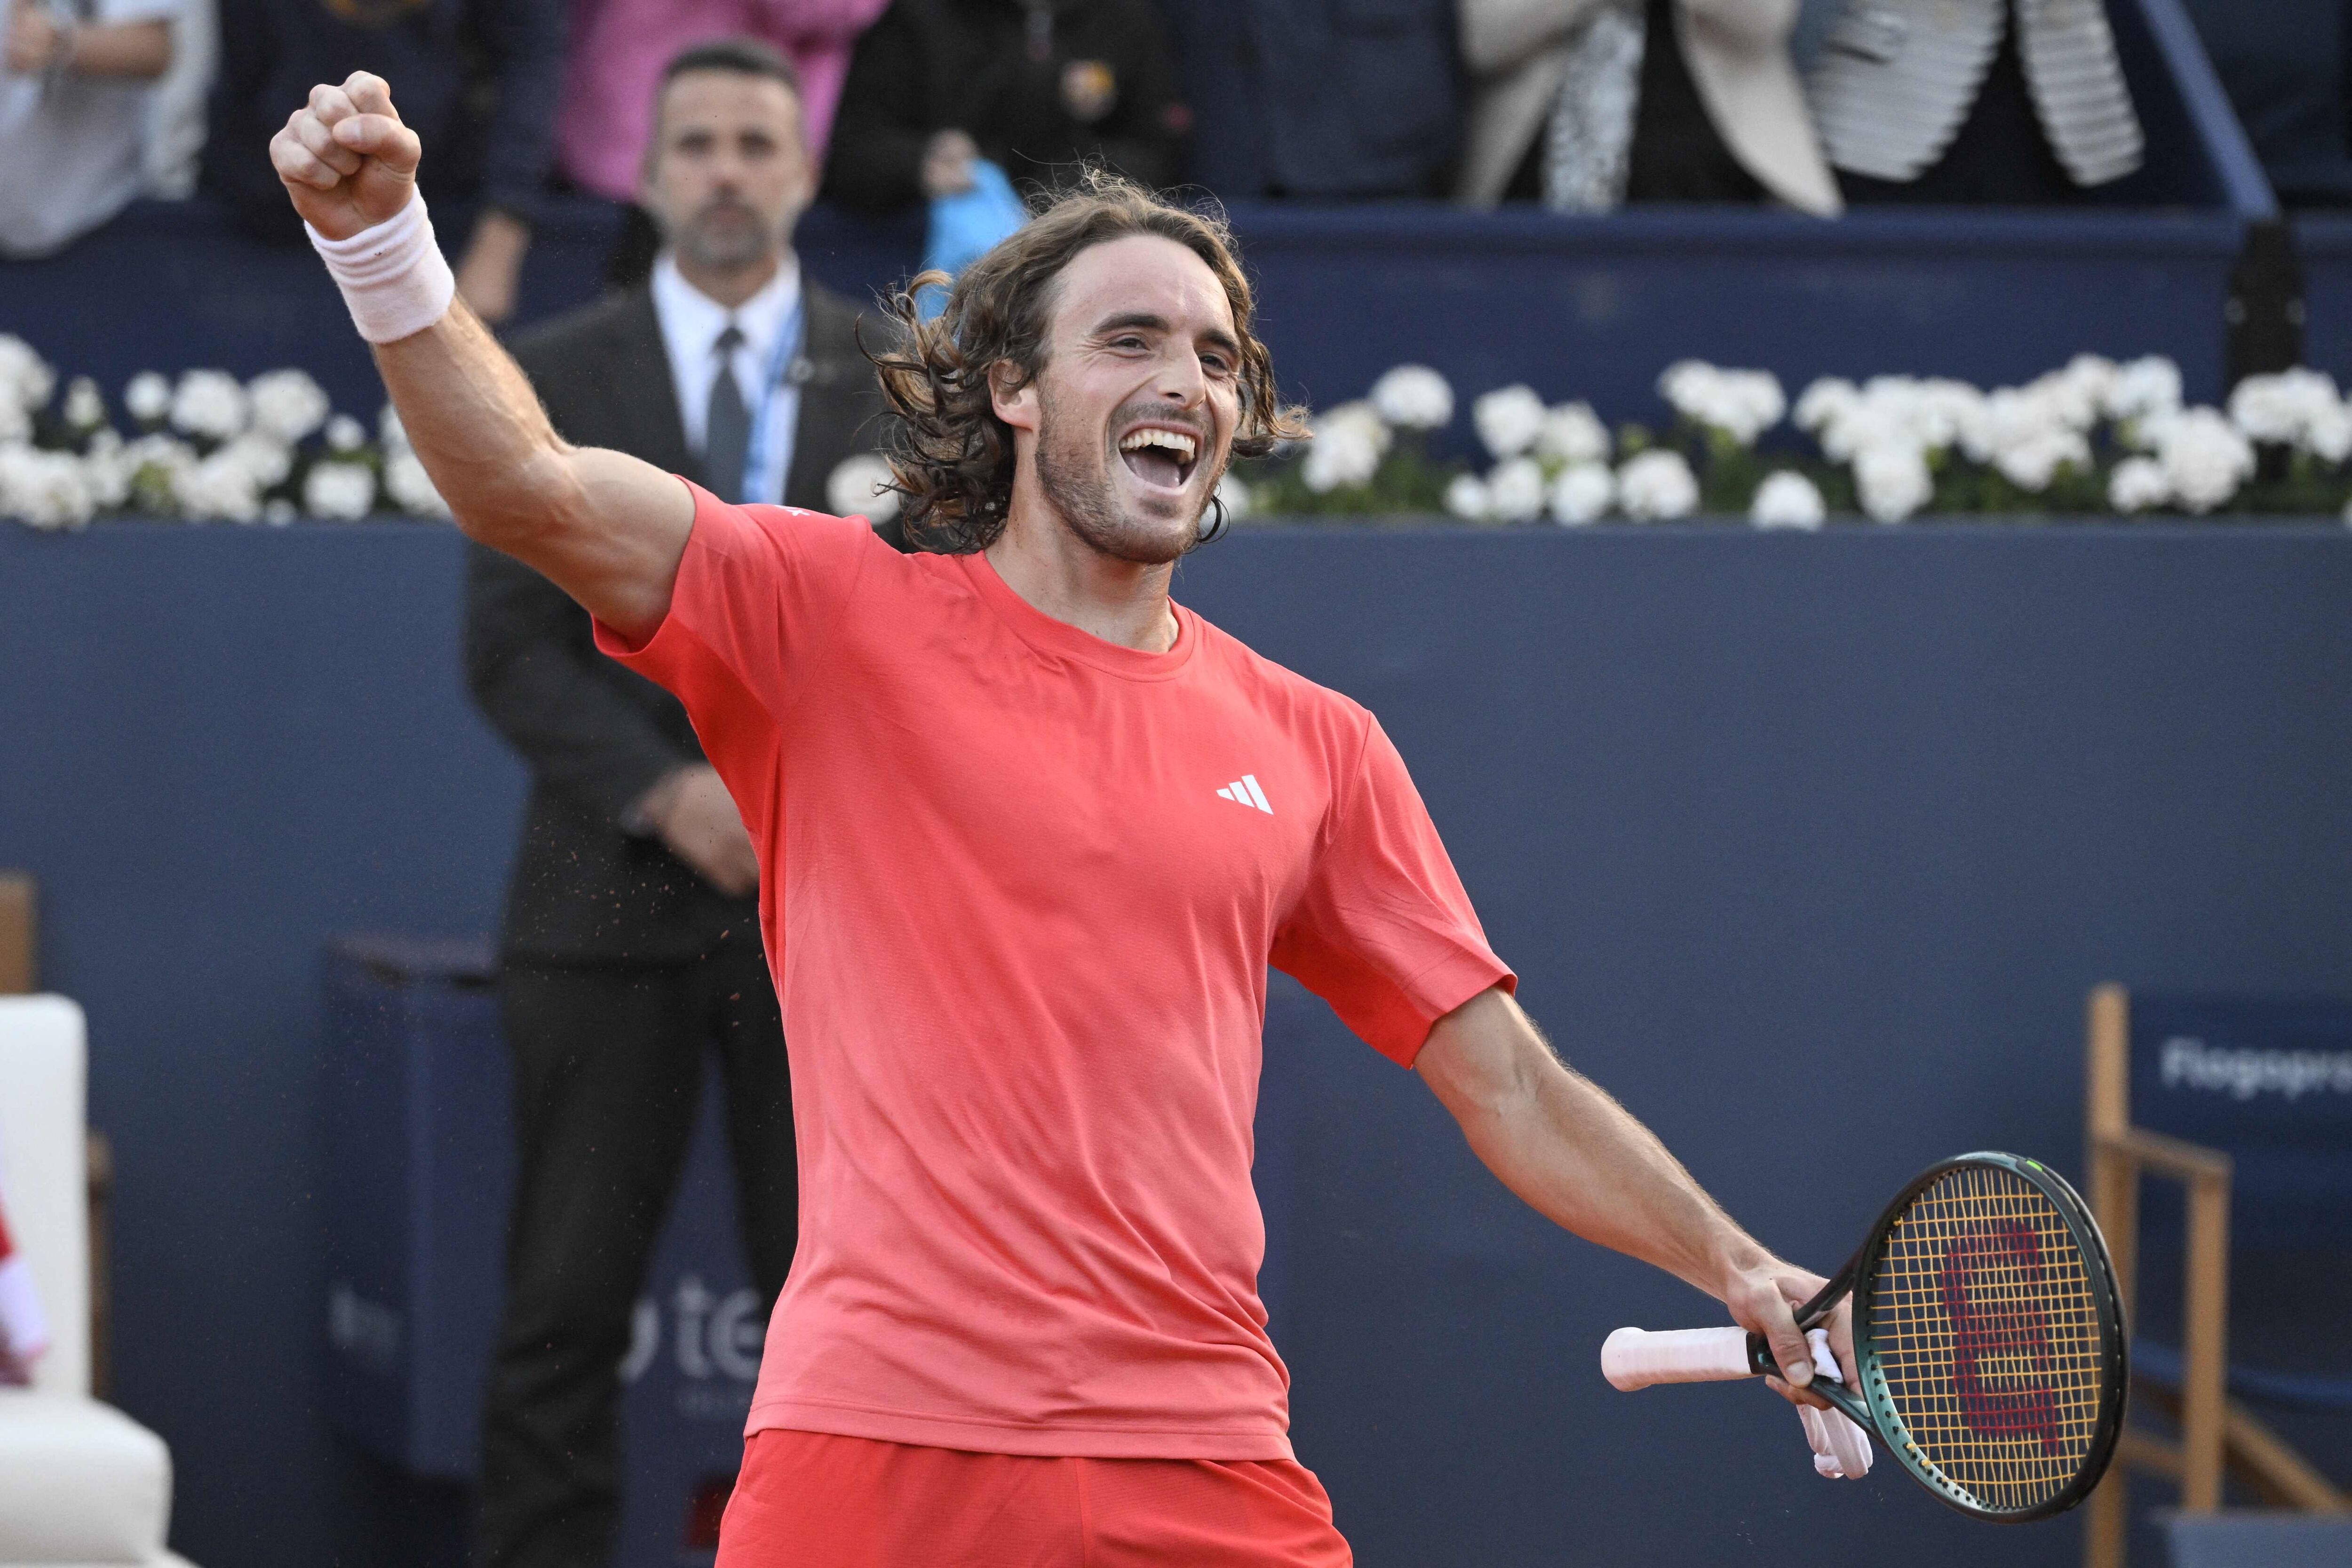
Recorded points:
691,322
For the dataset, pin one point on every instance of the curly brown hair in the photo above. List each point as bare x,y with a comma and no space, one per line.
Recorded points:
949,455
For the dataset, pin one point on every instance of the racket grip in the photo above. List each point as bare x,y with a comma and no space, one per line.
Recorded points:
1634,1358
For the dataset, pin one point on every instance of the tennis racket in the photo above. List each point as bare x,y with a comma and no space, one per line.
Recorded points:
1988,1340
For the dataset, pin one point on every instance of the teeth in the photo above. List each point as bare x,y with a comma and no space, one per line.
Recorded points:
1176,442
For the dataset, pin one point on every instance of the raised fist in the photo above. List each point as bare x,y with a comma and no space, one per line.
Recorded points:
347,160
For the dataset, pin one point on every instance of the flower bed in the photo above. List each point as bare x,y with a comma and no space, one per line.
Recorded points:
2092,438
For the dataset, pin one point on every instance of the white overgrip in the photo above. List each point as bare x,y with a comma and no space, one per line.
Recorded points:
1635,1358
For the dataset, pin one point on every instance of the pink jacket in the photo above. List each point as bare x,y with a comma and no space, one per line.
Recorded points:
619,46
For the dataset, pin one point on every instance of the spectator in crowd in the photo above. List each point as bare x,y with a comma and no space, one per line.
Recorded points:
1322,101
176,109
74,89
618,48
1587,104
478,80
1957,101
1031,86
632,943
2285,65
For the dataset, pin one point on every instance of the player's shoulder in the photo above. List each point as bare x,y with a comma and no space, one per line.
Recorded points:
1277,691
797,531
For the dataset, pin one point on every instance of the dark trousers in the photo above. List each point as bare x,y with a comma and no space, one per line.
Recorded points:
608,1076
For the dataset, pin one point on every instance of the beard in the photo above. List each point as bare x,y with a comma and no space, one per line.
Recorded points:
1076,477
724,236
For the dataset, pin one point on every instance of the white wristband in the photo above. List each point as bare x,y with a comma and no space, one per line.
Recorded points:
393,277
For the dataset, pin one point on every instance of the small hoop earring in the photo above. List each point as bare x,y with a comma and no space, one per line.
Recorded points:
1216,530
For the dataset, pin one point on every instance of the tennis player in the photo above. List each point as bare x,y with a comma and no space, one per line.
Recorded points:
1030,836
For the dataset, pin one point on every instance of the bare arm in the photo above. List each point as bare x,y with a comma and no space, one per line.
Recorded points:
605,528
1581,1159
135,49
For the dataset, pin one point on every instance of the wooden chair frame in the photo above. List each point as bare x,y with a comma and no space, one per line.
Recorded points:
2217,1434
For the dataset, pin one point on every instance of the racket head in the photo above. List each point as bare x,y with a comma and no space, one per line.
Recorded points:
1989,1338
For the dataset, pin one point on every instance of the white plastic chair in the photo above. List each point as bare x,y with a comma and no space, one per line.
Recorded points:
81,1484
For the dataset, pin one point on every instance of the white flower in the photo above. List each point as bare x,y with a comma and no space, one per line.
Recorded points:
345,433
1573,434
278,512
1235,496
1824,402
267,458
148,398
1657,484
1466,498
2138,484
390,431
859,486
2144,389
1509,420
340,490
1413,397
2085,386
1515,491
2206,458
26,378
209,404
1891,411
85,404
156,461
1892,481
287,405
218,486
107,470
1583,494
2299,408
2030,463
1349,442
1941,411
410,487
46,489
2011,417
1787,499
15,423
1743,404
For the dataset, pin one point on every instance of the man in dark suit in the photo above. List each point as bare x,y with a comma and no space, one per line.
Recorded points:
632,945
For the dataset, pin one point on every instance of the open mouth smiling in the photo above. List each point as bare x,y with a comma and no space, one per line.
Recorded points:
1160,456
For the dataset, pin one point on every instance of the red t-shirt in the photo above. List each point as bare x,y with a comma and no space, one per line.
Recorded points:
1020,887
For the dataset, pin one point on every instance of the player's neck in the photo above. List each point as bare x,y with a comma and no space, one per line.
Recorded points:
729,288
1061,575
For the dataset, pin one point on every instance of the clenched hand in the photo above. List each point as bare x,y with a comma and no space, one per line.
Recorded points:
347,160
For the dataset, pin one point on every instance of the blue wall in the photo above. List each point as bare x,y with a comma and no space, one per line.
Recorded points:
1786,834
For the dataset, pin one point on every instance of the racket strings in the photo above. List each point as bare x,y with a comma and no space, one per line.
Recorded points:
1986,1320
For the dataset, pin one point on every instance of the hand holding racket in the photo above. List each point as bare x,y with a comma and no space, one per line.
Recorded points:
1988,1340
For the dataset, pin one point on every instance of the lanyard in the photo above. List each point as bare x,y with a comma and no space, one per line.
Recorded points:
783,366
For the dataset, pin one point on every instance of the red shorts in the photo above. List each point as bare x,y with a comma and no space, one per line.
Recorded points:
810,1499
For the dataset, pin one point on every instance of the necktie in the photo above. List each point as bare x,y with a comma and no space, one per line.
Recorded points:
727,430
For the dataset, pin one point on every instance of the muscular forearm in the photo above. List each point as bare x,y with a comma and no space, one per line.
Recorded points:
606,528
1572,1153
1582,1161
475,421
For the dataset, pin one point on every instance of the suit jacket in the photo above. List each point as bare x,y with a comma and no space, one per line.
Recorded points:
586,889
1897,78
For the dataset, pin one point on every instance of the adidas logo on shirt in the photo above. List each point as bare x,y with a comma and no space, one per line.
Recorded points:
1244,791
